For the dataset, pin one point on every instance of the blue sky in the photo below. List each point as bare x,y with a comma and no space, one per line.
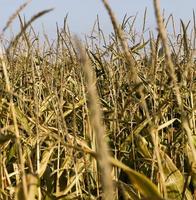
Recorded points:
82,13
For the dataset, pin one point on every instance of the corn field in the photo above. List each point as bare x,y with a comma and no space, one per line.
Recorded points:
105,117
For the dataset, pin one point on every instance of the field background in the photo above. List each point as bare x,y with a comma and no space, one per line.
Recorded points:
104,116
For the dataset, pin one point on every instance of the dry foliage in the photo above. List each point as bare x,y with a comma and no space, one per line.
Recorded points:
108,118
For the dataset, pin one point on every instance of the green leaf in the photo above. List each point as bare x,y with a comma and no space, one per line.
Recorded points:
23,120
174,179
141,182
44,162
5,138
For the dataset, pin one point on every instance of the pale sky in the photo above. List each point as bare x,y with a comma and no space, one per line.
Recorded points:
82,13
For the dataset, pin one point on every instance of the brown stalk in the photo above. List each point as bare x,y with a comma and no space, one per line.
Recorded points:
18,142
163,36
14,15
126,50
135,78
26,25
96,123
171,70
